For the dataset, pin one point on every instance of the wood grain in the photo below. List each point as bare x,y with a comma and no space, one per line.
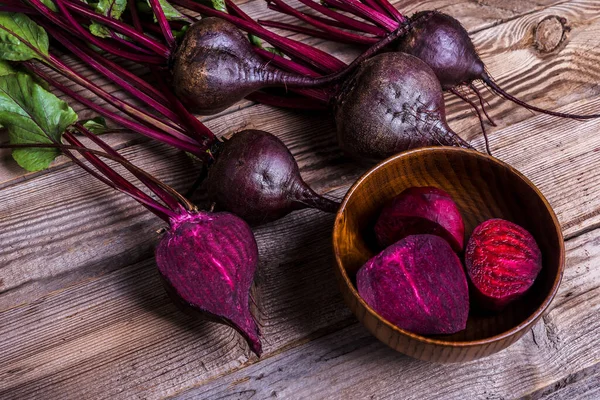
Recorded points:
353,364
147,352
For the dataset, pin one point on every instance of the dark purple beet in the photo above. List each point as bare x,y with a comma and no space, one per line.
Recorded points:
207,261
256,177
417,284
502,260
421,210
392,102
215,66
444,44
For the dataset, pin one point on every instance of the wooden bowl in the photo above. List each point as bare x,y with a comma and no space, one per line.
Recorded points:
484,188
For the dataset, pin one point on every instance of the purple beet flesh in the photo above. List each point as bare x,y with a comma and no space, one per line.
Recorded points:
421,210
502,261
207,261
417,284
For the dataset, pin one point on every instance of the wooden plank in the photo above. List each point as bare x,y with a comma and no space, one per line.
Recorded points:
351,363
584,384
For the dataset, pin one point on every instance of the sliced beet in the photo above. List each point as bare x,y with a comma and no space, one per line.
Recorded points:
421,210
207,261
417,284
502,261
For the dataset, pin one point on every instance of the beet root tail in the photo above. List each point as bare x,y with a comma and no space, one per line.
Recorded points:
494,86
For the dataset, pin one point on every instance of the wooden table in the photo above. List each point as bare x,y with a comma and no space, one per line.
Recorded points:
83,314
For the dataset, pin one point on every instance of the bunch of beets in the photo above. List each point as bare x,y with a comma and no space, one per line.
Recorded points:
389,99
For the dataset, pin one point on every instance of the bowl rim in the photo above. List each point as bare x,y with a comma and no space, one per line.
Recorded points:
472,343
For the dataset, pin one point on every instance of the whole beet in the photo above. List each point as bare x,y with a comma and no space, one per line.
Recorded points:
444,44
392,102
256,177
419,210
417,284
502,260
215,66
207,261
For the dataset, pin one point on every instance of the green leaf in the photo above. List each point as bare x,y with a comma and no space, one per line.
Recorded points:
170,12
96,125
181,32
219,5
50,4
274,51
6,68
15,30
31,114
109,8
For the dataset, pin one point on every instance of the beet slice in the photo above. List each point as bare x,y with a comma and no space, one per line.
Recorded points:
421,210
502,261
417,284
207,261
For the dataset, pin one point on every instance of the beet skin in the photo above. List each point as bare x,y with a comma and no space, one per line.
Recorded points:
421,210
393,102
207,260
257,178
502,261
417,284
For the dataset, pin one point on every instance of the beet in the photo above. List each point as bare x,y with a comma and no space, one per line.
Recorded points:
208,260
417,284
444,44
215,66
502,260
392,102
421,210
256,177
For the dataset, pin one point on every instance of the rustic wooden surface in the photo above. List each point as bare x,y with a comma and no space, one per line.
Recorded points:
83,313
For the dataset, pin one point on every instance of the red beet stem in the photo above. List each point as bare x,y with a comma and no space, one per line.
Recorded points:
115,73
350,22
134,112
142,129
494,86
135,16
159,48
336,34
391,10
162,22
157,189
365,12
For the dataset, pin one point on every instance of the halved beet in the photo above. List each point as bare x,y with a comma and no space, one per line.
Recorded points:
502,261
421,210
417,284
207,261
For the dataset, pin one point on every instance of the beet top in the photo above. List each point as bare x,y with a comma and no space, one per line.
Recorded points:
420,210
207,261
502,260
417,284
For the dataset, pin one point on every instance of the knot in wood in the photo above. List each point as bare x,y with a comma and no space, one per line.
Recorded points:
549,33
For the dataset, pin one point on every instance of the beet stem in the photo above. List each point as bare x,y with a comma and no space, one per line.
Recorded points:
150,183
490,82
347,21
72,23
301,29
474,106
162,21
142,129
363,11
119,26
393,11
135,16
117,76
